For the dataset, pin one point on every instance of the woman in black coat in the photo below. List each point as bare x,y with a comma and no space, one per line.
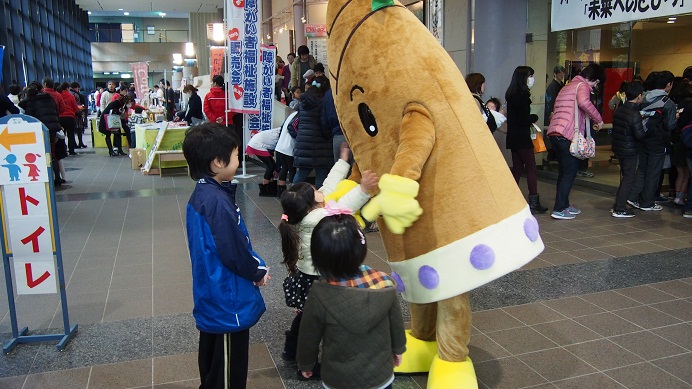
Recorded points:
193,114
116,107
518,98
313,149
42,107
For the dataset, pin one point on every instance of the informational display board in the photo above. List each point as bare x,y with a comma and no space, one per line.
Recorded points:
150,159
567,15
29,235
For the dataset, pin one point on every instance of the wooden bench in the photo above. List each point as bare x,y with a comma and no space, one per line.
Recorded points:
169,155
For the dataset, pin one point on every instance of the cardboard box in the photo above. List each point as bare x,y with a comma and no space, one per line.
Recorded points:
138,157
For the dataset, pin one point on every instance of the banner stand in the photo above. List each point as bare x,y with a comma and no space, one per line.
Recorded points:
22,336
244,146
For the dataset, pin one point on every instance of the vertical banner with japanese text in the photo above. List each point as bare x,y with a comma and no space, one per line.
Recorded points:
243,29
140,72
26,211
216,53
263,120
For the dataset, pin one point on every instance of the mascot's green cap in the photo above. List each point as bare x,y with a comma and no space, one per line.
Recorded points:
377,4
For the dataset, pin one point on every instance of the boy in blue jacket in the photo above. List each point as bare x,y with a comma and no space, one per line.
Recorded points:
226,272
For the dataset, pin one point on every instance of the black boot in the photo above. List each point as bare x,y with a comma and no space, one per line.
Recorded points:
280,189
535,204
290,347
268,190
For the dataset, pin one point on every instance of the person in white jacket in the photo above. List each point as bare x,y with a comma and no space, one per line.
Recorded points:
284,151
304,206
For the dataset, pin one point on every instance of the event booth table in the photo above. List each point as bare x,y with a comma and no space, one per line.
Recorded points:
173,140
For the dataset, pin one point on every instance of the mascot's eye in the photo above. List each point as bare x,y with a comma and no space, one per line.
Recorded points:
367,119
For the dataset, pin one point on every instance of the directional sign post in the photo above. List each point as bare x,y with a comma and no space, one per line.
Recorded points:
29,233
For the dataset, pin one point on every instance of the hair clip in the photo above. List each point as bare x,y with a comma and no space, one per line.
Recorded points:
284,217
317,84
362,237
333,208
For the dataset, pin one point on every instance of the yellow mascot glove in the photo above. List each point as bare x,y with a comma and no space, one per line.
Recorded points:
343,187
396,203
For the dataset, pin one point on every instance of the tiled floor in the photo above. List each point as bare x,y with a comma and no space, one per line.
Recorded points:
608,304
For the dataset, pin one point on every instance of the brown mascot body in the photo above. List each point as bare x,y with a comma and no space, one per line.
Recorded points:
408,116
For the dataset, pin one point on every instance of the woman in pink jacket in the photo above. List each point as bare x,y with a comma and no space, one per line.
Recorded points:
561,132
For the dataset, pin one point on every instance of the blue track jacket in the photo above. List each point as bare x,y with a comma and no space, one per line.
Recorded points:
224,266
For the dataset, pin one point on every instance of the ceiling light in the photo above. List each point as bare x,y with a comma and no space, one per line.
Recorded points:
126,75
88,12
217,34
116,72
126,13
189,49
672,18
162,14
670,21
106,73
177,58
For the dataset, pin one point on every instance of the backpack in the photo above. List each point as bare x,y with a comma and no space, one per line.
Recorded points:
686,136
490,119
652,114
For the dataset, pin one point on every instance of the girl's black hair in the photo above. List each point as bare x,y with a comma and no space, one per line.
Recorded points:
218,80
323,87
593,72
205,143
296,202
338,246
496,101
519,84
475,81
63,86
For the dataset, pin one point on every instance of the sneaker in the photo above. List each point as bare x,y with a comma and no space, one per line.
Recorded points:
634,204
662,199
679,201
654,207
624,213
585,173
563,215
687,214
573,210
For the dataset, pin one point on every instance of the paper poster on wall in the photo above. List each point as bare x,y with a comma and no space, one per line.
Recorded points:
318,49
435,18
567,15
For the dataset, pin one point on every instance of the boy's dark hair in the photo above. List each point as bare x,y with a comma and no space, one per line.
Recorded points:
63,86
14,89
496,101
338,246
302,50
295,88
205,143
633,89
662,79
533,117
318,67
156,86
48,82
296,202
139,109
74,85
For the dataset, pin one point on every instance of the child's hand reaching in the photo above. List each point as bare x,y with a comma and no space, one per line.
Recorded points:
397,359
368,181
264,280
345,152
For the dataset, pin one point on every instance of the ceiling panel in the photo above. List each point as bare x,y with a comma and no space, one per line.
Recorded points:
151,5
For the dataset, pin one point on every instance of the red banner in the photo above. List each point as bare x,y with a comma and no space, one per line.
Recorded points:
140,73
217,54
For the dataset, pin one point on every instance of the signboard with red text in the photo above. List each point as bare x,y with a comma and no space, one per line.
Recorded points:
26,207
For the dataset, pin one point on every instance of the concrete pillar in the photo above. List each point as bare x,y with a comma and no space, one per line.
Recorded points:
499,43
299,31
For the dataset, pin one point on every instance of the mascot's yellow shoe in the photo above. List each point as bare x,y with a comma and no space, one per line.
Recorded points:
452,375
418,356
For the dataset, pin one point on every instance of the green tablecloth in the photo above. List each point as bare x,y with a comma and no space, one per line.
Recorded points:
172,140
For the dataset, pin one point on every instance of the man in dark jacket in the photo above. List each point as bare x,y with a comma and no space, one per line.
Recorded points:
628,134
646,183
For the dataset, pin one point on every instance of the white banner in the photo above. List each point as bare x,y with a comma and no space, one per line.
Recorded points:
566,14
243,19
263,120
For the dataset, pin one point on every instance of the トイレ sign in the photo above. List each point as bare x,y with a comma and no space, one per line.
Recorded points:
26,208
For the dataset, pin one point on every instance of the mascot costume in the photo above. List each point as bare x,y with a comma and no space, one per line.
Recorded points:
454,218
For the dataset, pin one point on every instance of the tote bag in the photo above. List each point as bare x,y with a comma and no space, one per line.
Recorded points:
537,140
113,122
582,147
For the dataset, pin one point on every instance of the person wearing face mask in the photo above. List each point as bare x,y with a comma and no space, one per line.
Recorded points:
518,98
117,107
193,114
561,132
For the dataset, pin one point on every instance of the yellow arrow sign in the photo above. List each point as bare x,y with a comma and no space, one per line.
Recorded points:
20,138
